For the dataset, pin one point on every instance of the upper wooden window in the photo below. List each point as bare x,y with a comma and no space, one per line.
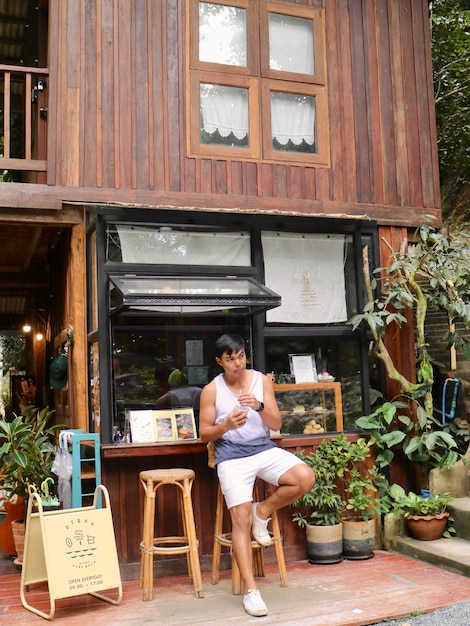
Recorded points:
256,81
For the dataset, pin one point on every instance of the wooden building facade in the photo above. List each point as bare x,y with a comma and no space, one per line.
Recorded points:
119,136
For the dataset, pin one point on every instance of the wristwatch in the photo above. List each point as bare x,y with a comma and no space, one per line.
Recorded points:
261,407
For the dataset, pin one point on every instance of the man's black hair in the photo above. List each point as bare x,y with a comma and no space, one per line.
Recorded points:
229,344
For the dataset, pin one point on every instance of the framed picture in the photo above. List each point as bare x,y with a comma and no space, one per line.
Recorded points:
303,368
141,423
185,424
164,425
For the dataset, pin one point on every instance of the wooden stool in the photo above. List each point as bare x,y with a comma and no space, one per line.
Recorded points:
151,481
225,539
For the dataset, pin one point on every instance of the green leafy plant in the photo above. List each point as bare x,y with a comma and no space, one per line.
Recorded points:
27,451
415,504
412,504
426,441
322,505
358,475
340,466
430,273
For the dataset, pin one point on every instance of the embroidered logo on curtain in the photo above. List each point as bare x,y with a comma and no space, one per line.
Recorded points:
307,270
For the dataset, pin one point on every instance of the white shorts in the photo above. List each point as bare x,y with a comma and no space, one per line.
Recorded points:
238,476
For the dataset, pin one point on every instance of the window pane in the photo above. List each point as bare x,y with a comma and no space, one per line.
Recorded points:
290,44
222,34
224,115
293,122
147,351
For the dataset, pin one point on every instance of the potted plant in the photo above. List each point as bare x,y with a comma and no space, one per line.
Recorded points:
360,477
319,510
426,517
27,450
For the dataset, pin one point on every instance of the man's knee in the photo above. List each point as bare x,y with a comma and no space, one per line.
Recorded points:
306,478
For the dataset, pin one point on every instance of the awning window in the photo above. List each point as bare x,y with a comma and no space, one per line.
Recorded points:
160,295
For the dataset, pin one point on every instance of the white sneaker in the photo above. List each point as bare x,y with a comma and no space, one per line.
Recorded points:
260,528
253,603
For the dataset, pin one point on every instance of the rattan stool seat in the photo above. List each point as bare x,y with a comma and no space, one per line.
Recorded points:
152,480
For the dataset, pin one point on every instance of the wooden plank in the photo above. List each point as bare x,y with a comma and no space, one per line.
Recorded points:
397,72
78,307
266,176
90,119
174,111
346,105
336,172
363,139
374,103
411,103
220,177
426,111
387,136
142,103
157,154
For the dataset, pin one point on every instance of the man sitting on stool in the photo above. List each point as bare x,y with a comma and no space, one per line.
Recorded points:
237,410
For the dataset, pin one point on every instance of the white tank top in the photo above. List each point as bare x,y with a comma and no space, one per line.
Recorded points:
253,437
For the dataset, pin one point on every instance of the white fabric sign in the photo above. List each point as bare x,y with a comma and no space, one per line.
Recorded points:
307,271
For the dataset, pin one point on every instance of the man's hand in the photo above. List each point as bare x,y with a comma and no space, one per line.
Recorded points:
236,419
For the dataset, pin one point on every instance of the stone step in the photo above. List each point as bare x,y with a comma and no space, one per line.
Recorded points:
451,554
459,509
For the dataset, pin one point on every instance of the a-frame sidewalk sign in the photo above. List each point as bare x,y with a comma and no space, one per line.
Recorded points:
73,550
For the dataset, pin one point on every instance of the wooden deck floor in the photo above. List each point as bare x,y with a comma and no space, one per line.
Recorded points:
351,593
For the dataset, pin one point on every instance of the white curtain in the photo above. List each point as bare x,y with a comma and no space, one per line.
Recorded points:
224,109
292,118
290,44
306,270
141,245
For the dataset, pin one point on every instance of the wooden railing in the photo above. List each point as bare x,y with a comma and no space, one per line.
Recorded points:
23,129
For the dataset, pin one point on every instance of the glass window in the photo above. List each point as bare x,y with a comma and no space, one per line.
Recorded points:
291,44
222,34
224,115
145,354
293,122
240,55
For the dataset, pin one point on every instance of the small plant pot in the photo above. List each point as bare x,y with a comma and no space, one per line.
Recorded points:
358,539
18,528
427,527
324,544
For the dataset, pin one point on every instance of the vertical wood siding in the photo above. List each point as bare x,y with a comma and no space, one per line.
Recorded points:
119,106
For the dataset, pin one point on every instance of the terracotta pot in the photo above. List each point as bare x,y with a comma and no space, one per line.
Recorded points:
358,539
14,511
427,527
18,529
324,544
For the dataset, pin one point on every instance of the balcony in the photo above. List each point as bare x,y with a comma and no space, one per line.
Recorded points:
23,123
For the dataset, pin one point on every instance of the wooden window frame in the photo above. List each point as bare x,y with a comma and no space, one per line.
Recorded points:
317,17
252,68
320,157
260,80
245,82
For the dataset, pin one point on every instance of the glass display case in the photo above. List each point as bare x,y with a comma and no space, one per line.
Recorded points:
310,408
